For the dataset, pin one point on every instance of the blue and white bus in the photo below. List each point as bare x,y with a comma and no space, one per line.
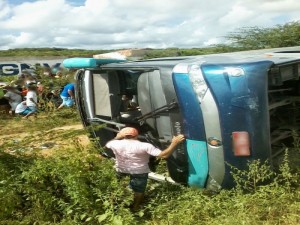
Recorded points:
231,107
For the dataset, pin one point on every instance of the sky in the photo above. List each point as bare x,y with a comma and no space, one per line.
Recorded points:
119,24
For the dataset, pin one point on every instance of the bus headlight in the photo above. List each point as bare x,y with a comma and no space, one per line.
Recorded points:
197,80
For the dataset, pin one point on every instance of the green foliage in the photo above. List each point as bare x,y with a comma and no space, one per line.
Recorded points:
7,79
52,52
75,186
286,35
253,201
177,52
260,174
251,179
9,173
286,177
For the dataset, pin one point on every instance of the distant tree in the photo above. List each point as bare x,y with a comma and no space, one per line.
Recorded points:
46,52
256,38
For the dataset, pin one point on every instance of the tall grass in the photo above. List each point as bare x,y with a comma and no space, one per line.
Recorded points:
76,186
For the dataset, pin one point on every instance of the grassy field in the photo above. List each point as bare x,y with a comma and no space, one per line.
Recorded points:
51,173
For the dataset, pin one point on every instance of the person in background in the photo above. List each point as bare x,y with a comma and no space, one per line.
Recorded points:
47,72
54,97
4,104
67,95
40,89
24,91
58,74
132,158
29,80
25,78
128,103
31,100
22,109
14,98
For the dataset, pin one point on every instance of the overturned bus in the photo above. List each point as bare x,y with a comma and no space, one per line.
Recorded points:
231,107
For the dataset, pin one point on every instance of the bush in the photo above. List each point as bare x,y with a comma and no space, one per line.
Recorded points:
74,185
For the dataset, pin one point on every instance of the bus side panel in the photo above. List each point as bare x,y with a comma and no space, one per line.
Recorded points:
155,91
243,106
198,163
178,162
193,129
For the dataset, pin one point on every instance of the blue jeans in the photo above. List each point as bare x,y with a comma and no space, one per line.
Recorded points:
138,182
67,101
25,112
32,108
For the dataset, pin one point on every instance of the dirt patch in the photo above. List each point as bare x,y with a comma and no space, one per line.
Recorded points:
23,134
46,142
69,127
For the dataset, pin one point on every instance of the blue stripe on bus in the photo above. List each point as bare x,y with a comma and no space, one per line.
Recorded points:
198,163
190,107
88,62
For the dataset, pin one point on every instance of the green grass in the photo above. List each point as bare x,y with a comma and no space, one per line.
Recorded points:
74,186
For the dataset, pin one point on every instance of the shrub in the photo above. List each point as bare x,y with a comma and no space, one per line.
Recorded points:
76,186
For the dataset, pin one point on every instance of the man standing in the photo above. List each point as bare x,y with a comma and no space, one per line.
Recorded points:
132,157
67,95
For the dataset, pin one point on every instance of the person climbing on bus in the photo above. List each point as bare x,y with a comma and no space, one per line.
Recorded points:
132,158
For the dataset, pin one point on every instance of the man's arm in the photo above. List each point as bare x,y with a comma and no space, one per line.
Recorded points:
169,150
32,100
71,93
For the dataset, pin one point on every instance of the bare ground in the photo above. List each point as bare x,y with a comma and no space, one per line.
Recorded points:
15,137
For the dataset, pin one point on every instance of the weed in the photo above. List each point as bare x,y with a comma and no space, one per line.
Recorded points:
74,185
286,177
257,173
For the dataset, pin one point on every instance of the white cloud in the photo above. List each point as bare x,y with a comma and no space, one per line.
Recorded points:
4,9
237,12
278,6
108,24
